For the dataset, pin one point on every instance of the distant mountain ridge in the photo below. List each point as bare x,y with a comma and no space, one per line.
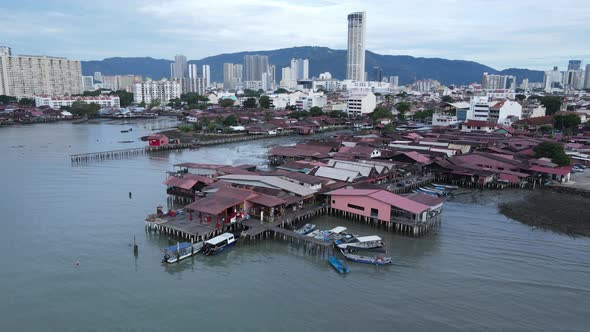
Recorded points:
321,59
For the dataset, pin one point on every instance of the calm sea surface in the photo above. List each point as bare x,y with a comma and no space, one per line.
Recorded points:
479,271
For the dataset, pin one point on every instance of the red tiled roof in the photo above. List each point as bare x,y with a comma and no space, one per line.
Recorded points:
221,200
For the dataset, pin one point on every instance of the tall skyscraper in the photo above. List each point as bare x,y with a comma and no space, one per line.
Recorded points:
5,50
377,74
495,82
587,77
232,75
574,65
98,76
255,65
300,69
195,83
207,76
87,83
355,56
178,69
27,75
394,81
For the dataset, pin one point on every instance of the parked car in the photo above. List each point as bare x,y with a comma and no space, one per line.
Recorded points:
580,166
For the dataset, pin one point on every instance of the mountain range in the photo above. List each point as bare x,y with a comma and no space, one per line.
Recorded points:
321,59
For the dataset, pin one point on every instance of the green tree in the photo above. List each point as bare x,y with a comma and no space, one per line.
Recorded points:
336,114
566,121
81,108
380,113
291,107
281,90
424,114
267,116
176,103
193,98
125,98
142,104
226,102
552,103
26,102
554,151
298,115
4,99
155,103
264,102
388,128
251,93
230,121
316,111
447,99
185,128
402,108
249,103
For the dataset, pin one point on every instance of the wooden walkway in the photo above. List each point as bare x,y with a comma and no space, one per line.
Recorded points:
125,153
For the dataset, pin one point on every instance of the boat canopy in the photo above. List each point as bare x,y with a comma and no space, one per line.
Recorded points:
369,238
182,245
220,238
338,230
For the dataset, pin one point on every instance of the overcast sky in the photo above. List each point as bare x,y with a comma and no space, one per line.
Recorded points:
501,34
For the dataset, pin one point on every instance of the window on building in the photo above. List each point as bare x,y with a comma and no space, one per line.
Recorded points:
356,207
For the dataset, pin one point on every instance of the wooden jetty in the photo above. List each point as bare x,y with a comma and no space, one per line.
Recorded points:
126,153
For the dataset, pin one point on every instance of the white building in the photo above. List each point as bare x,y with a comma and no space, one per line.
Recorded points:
288,80
394,81
498,82
207,76
553,80
425,85
98,76
87,83
311,99
360,103
195,83
484,109
300,69
56,102
27,75
232,75
121,82
355,56
5,50
162,91
444,120
372,86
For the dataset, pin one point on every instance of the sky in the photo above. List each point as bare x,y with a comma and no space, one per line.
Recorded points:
501,34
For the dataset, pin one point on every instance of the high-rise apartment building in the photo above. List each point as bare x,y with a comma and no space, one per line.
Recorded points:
574,65
394,81
27,75
355,56
498,82
587,77
87,83
161,91
195,83
207,76
377,74
232,75
255,65
97,76
178,69
300,69
121,82
5,50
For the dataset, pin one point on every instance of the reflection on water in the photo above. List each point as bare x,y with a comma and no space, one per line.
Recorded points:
478,271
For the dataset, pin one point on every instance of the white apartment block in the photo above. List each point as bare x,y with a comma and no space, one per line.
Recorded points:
56,102
484,109
162,90
121,82
26,76
361,103
87,83
206,76
498,82
444,120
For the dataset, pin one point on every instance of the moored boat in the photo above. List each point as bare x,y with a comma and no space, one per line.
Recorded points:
338,265
354,256
363,242
181,251
219,243
449,187
308,228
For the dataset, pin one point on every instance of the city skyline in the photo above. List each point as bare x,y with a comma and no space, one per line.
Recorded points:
469,33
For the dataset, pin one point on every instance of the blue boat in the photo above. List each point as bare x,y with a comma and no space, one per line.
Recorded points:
180,251
338,265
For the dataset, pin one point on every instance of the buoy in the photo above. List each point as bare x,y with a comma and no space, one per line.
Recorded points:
77,263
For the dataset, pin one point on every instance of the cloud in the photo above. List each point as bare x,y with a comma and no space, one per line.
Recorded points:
498,33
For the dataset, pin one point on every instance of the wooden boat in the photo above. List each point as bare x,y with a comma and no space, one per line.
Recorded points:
308,228
362,242
338,265
445,186
355,256
421,191
218,244
180,251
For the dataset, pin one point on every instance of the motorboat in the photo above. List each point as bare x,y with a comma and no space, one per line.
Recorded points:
308,228
363,242
338,265
356,256
218,244
180,251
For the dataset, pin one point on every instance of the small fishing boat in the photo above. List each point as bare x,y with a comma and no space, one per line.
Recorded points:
308,228
181,251
218,244
354,256
338,265
363,242
421,191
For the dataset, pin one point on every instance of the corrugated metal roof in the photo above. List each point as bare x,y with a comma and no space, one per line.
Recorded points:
337,174
363,169
269,181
